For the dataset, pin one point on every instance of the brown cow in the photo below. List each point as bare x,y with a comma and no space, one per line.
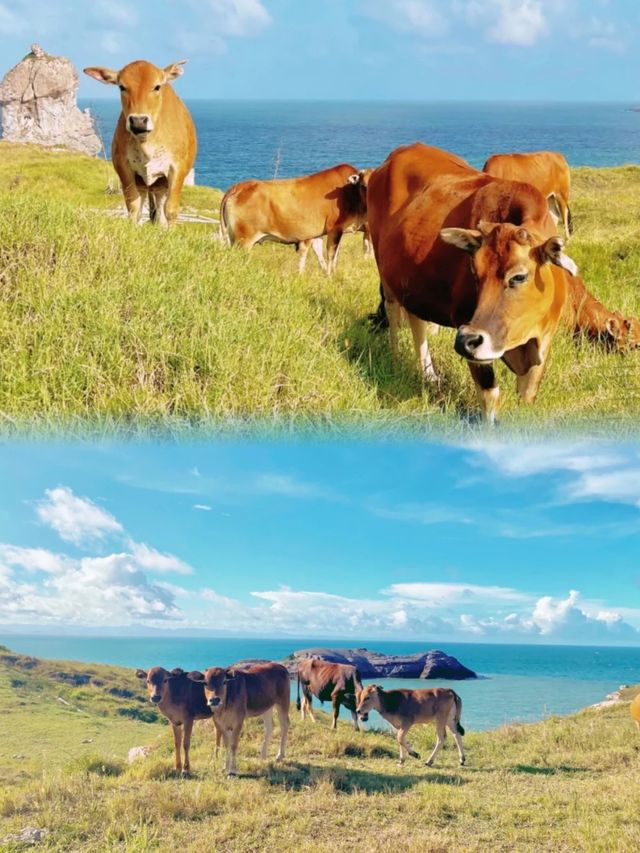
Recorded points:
547,171
295,211
181,701
338,682
154,144
233,694
635,710
424,207
405,708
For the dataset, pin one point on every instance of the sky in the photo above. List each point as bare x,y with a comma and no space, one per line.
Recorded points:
559,50
488,542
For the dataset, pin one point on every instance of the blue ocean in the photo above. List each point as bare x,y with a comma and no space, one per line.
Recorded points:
265,139
517,683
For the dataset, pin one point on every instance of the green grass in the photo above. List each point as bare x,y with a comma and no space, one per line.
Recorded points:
564,784
104,323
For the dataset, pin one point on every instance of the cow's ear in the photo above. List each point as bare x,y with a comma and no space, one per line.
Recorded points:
467,239
175,69
102,75
195,675
554,208
140,673
177,672
551,251
229,675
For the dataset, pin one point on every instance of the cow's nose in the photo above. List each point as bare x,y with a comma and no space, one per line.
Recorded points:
364,716
138,123
155,699
214,701
468,342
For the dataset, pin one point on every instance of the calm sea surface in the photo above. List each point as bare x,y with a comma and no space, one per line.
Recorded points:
261,139
518,683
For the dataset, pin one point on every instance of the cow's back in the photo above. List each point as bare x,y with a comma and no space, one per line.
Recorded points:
548,171
266,685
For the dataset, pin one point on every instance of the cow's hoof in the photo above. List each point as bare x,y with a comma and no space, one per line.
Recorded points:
185,772
428,763
462,762
232,775
414,754
279,757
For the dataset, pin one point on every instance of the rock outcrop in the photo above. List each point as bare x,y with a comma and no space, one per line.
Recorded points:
431,664
38,100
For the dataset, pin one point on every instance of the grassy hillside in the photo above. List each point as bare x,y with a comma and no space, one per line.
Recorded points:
101,320
565,784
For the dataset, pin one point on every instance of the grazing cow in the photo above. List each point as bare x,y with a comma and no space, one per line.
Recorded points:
295,211
635,710
547,171
405,708
154,144
428,212
233,694
181,701
338,682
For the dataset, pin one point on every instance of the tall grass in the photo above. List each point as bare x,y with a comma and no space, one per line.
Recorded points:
104,322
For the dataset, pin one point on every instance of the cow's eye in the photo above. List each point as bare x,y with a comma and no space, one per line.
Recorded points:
122,88
517,279
157,88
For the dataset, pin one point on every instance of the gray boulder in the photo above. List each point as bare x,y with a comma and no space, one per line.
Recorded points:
431,664
38,97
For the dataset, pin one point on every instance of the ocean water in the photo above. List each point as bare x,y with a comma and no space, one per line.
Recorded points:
263,139
517,683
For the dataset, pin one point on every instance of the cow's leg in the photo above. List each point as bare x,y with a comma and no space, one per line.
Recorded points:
133,197
335,704
419,330
307,702
488,392
440,735
394,315
333,244
157,206
453,728
303,249
177,742
172,202
232,737
318,247
283,720
219,736
354,716
405,749
268,731
529,384
367,245
186,745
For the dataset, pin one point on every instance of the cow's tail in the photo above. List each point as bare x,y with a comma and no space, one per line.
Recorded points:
225,231
298,703
569,221
458,712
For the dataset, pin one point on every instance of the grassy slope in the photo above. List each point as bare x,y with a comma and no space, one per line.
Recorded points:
101,319
564,784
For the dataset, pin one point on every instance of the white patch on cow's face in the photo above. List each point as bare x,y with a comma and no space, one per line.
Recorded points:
476,345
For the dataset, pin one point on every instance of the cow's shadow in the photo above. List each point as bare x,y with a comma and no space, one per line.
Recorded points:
298,775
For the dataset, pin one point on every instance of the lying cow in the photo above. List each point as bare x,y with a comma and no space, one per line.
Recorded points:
234,694
406,708
338,682
154,144
295,211
182,702
547,171
457,247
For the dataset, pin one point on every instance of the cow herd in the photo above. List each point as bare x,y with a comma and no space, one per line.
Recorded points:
227,696
478,251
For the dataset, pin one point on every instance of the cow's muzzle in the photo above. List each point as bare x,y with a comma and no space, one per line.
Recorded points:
213,702
155,698
139,124
468,342
363,716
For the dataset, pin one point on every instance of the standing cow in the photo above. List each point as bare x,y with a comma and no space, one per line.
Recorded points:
182,702
154,144
338,682
296,211
234,694
406,708
547,171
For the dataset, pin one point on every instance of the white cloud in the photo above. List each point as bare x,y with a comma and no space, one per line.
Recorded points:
32,559
115,13
203,507
420,17
238,17
517,22
155,561
76,520
449,594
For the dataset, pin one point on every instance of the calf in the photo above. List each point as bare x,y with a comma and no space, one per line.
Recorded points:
296,211
154,144
405,708
338,682
232,695
181,701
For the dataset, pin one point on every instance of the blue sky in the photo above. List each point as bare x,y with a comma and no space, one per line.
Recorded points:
403,540
349,49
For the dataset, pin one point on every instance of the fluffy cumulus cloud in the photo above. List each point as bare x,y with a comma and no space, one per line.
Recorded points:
75,519
423,18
